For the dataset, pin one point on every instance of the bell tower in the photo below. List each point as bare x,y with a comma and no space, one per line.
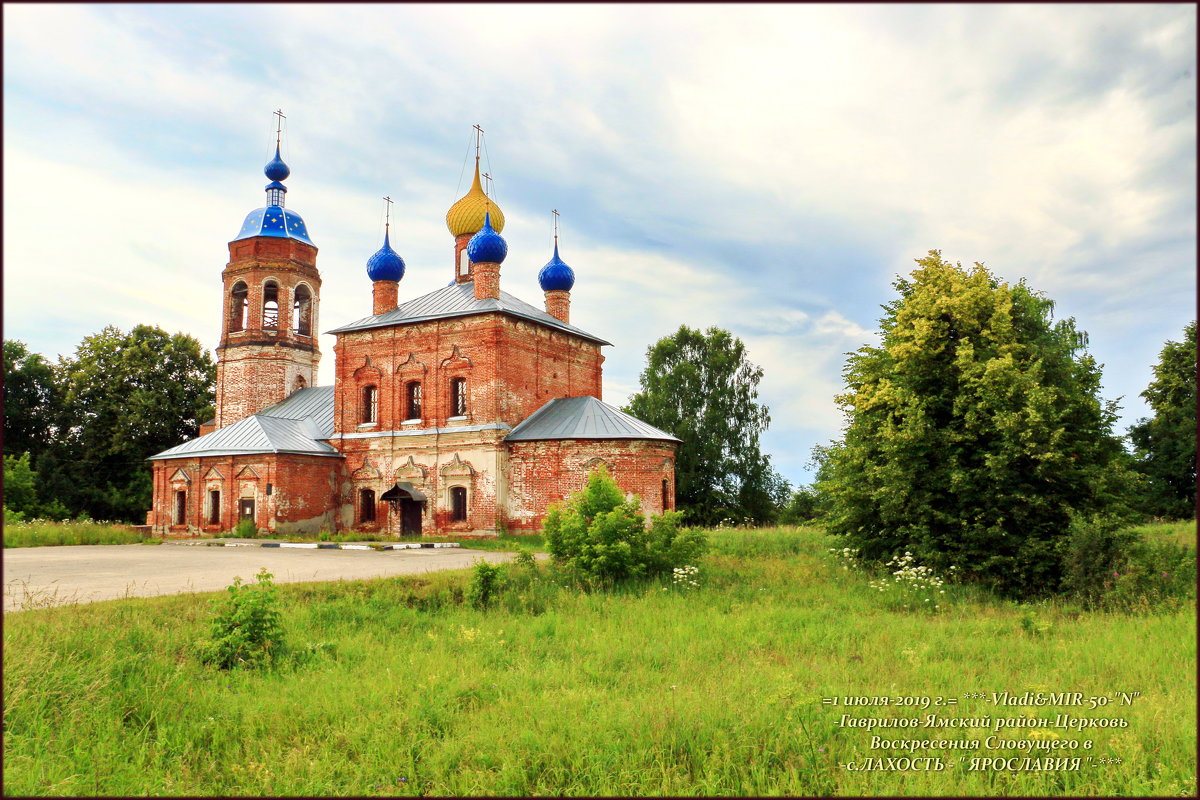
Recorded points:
269,313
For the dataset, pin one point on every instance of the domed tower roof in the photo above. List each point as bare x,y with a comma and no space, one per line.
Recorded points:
273,219
385,265
487,246
556,276
467,215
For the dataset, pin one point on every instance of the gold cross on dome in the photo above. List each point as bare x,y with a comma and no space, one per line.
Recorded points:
478,137
388,221
554,211
278,124
487,184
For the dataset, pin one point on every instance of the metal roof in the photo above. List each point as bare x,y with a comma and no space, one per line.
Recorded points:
458,300
583,418
293,425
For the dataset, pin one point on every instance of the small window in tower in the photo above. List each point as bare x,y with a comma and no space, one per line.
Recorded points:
414,400
239,305
214,507
666,496
458,397
370,404
302,311
366,505
458,504
270,318
464,262
299,383
181,507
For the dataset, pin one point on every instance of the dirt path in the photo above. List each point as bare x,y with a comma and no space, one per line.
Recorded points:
35,577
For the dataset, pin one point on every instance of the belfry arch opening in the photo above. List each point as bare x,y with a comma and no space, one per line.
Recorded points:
270,307
239,306
302,311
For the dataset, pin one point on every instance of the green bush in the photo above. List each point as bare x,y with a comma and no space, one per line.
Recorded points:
1118,569
485,583
245,529
247,630
603,538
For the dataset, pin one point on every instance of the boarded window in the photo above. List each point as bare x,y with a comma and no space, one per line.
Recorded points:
270,315
214,507
181,507
458,504
414,400
666,496
458,397
302,312
370,404
239,307
366,505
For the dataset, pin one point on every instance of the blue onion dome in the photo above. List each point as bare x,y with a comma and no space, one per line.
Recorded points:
487,246
276,170
556,276
386,265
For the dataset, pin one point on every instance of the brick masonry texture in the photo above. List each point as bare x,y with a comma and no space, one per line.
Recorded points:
508,368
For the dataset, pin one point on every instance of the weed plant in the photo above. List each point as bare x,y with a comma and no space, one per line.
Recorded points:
43,533
404,688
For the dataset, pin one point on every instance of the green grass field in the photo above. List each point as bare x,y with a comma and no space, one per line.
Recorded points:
648,690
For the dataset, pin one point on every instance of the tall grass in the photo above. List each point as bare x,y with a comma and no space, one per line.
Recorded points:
650,689
41,533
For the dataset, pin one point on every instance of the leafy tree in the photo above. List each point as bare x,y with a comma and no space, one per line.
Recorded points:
700,387
31,400
603,537
975,433
801,507
1165,444
20,492
126,397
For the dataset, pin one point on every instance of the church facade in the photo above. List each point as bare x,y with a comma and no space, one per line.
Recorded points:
465,411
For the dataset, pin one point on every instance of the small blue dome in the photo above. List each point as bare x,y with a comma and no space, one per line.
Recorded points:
275,185
556,275
276,170
386,265
487,246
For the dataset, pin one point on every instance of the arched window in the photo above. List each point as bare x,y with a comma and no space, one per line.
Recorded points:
370,404
270,314
666,496
366,505
458,504
458,397
239,307
302,311
413,392
299,383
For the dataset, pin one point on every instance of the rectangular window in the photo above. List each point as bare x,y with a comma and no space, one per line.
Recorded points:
458,397
366,506
370,404
214,507
181,508
414,400
458,504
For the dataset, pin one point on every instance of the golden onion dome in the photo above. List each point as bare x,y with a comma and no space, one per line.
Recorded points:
466,216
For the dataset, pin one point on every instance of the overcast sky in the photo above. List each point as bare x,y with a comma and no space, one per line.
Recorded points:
766,169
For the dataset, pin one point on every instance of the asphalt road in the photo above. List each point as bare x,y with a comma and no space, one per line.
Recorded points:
35,577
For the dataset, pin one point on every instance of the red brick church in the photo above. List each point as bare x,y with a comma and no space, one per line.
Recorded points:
464,411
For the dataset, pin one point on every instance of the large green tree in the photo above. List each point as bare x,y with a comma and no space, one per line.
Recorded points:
701,387
31,400
126,396
1165,444
975,433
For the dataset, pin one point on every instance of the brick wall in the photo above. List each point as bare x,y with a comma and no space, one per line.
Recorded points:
301,498
541,473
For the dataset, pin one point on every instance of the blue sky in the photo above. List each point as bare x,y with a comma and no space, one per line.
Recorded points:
767,169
